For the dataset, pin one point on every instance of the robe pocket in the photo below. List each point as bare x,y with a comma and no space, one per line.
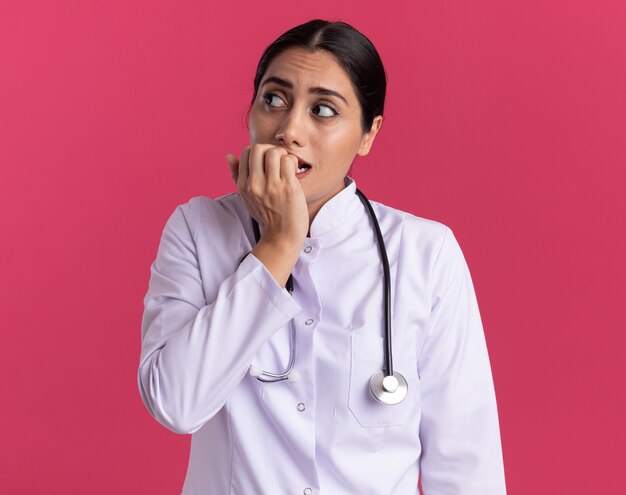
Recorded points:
367,357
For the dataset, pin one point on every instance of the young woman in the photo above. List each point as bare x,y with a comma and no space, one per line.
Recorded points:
294,391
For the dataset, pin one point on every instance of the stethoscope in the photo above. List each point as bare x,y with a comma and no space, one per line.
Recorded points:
386,385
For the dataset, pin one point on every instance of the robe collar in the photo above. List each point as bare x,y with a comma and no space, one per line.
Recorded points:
337,210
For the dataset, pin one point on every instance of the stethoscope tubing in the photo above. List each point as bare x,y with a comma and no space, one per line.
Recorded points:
388,364
386,386
268,376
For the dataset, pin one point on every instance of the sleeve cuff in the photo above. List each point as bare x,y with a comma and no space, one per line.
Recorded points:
277,295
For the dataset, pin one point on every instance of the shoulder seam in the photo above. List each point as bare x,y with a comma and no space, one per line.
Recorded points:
446,231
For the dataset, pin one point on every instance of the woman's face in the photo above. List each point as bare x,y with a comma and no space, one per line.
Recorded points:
306,104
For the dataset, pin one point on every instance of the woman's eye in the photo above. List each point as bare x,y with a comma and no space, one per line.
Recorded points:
324,111
273,100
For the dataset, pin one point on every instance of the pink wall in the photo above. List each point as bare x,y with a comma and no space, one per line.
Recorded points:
505,120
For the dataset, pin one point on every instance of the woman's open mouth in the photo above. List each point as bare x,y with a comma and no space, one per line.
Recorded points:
303,168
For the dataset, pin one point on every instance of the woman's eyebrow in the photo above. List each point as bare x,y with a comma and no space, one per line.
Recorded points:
278,80
327,92
316,90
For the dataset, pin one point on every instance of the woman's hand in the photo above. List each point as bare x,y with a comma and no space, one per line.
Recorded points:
266,179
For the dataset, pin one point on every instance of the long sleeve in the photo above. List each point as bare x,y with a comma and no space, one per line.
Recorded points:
195,352
459,427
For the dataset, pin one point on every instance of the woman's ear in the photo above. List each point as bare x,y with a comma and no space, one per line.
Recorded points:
368,137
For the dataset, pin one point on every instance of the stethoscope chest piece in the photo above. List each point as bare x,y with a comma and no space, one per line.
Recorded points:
390,389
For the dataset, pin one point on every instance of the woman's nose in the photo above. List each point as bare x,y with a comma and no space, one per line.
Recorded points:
292,129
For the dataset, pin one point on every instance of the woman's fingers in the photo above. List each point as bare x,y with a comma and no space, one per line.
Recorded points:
243,169
255,185
260,163
272,161
269,187
288,167
233,165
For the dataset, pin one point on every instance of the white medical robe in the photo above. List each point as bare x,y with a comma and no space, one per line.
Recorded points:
208,318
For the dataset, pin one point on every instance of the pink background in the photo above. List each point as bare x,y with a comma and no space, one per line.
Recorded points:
505,120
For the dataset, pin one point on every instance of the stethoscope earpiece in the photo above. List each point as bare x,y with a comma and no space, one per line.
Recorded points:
255,371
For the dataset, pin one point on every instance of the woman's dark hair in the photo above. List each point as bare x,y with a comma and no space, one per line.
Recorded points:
354,52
